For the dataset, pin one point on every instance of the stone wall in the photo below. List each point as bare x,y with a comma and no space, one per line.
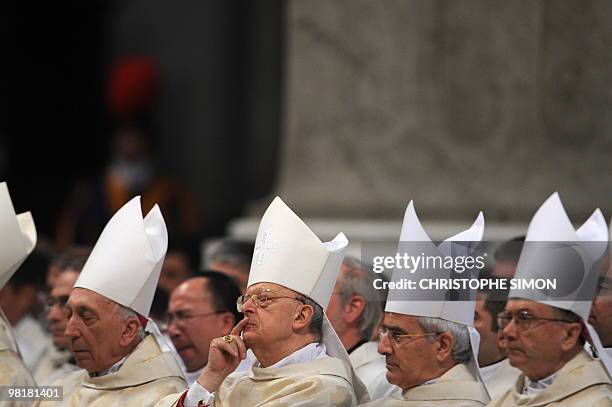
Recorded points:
459,105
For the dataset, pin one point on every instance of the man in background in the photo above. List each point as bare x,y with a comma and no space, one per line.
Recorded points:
355,311
496,371
231,257
175,270
201,309
57,361
506,257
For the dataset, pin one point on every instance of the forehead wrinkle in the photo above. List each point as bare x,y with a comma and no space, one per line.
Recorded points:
273,287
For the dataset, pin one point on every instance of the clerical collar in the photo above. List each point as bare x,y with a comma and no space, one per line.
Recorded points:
111,369
358,344
532,387
309,352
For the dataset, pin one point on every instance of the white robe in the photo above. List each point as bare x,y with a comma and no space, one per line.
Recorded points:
499,377
581,382
455,388
370,367
13,371
146,376
32,340
54,365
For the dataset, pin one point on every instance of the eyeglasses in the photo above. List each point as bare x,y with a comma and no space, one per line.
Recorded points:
181,317
523,320
261,298
396,337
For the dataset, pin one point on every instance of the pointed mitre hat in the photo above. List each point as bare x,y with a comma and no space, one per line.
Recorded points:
125,263
555,251
18,235
289,254
450,305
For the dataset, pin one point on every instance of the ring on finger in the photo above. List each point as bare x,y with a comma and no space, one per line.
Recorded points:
228,339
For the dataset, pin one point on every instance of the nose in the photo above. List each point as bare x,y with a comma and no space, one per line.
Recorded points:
248,305
509,332
71,330
384,345
173,330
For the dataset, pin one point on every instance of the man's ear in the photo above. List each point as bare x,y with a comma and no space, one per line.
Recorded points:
130,331
354,308
302,317
445,344
572,336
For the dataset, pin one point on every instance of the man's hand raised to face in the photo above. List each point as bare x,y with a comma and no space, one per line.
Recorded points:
224,357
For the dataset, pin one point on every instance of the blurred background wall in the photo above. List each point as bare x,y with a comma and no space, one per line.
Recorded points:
347,108
459,104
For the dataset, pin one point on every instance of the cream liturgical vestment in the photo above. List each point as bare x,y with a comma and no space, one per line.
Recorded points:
581,382
320,382
12,370
146,376
17,240
54,365
455,388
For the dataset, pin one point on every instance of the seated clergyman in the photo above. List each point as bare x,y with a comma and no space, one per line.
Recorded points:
544,335
427,342
355,311
299,358
107,311
282,328
546,344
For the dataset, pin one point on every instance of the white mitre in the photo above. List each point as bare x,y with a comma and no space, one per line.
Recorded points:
554,250
289,254
125,264
414,241
17,234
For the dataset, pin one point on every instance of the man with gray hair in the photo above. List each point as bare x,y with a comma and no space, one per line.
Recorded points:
427,357
426,338
232,257
355,311
106,315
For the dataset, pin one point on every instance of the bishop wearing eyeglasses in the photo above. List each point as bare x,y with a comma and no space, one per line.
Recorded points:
544,332
428,342
300,359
